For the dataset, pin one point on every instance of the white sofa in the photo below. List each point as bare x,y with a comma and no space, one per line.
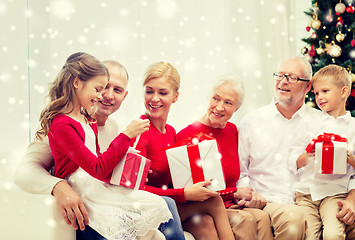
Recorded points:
33,216
30,216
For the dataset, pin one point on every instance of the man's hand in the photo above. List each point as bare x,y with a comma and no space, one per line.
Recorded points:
199,192
243,193
346,213
257,201
70,205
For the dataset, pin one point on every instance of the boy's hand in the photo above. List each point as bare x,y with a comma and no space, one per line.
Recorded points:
304,159
136,127
351,159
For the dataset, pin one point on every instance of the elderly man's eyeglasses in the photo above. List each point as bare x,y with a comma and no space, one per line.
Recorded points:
289,78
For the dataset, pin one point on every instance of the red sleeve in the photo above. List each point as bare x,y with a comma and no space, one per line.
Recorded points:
65,137
228,194
177,194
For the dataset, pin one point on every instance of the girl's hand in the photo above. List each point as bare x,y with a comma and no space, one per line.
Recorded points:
243,193
149,172
136,127
199,192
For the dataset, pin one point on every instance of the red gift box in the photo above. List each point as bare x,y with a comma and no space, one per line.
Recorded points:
330,153
131,172
194,160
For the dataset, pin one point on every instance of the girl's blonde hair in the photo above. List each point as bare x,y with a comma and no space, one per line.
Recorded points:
337,74
163,69
61,93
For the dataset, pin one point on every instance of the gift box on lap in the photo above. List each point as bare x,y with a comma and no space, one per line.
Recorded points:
131,172
193,163
330,154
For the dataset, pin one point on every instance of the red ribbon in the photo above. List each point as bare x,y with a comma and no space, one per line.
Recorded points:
327,150
130,171
195,163
312,52
340,20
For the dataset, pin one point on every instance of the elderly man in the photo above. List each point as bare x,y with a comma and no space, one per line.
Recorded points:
265,138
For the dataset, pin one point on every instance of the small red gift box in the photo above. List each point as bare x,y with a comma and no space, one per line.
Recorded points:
330,154
131,172
197,160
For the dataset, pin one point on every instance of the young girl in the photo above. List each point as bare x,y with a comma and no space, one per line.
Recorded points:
114,212
161,85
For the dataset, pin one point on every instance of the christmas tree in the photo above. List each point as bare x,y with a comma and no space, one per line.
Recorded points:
331,40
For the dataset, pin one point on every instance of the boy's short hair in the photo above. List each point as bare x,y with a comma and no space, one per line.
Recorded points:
337,74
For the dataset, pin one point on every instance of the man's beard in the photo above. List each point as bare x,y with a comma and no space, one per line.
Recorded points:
286,100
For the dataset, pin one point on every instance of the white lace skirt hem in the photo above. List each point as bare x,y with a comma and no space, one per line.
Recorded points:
118,212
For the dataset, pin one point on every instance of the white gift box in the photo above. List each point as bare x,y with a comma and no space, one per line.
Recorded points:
131,172
330,158
184,170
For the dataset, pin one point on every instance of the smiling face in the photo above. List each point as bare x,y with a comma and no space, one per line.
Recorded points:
291,94
159,94
114,92
330,97
89,92
223,104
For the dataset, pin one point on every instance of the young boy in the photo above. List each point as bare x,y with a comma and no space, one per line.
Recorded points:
319,194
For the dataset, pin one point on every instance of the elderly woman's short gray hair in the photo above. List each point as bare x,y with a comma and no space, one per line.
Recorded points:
235,82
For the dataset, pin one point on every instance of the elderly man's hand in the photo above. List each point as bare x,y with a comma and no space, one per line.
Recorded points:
70,205
257,201
243,193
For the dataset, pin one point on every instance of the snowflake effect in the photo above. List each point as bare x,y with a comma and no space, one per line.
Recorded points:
204,44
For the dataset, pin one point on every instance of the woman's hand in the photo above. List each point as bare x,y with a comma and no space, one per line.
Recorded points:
243,193
199,192
136,127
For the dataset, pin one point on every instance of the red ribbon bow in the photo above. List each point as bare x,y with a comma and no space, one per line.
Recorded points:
327,150
193,140
325,137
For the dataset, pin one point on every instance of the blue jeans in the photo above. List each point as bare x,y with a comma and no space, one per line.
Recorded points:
172,229
88,234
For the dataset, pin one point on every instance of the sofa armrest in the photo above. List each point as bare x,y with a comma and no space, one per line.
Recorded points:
30,216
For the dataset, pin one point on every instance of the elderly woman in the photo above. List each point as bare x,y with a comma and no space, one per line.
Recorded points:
227,97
